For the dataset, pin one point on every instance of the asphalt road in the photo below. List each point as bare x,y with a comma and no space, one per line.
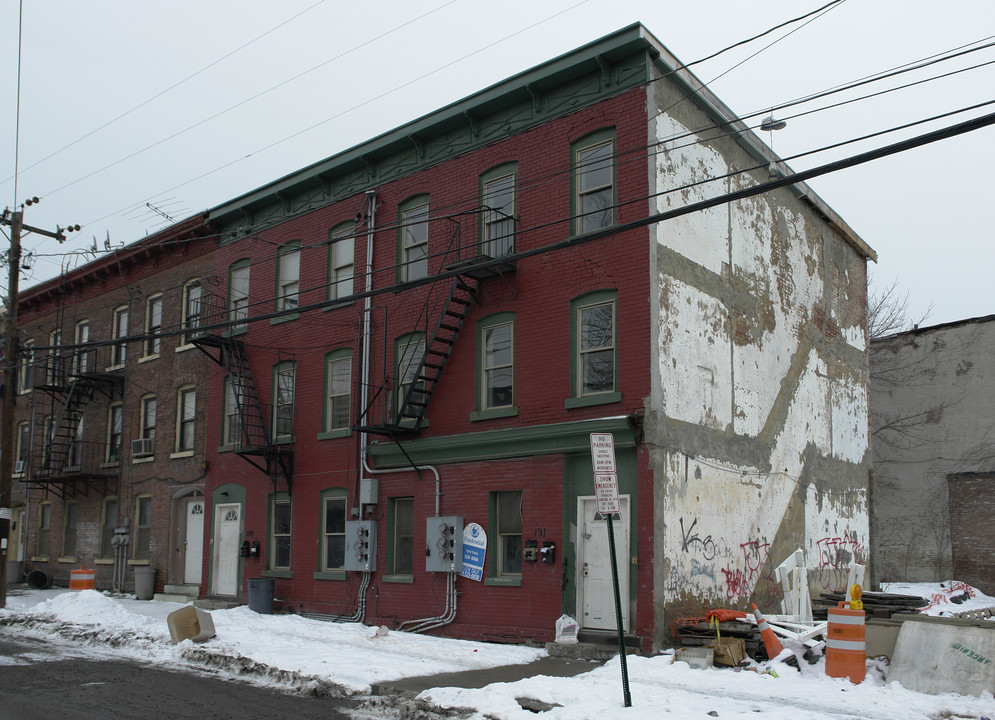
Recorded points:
43,681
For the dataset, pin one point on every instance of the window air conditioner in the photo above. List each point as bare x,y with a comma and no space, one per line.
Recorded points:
142,447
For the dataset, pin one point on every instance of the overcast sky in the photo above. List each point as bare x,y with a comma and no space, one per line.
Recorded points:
124,103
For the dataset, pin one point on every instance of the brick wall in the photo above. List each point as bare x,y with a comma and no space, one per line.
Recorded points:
971,500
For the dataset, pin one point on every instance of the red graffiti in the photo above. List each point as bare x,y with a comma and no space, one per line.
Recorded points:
757,579
943,597
736,585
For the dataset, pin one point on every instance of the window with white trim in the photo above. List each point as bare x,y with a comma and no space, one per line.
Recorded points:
186,418
414,240
192,307
288,263
81,360
498,199
341,260
115,430
119,329
283,400
153,325
23,446
238,294
338,390
26,366
232,430
593,162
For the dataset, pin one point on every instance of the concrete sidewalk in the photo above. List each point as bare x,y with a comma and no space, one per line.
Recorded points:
550,666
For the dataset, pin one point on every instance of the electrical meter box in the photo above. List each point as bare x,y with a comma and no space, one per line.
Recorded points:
444,544
361,545
368,489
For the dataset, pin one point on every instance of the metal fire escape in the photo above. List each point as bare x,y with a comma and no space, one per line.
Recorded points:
255,444
403,412
62,461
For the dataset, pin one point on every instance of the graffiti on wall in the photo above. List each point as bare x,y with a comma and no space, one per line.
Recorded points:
836,556
756,579
692,542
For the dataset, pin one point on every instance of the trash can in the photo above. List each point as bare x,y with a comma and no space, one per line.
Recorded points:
261,595
39,580
144,583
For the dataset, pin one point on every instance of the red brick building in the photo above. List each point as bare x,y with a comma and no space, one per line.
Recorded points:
111,410
418,336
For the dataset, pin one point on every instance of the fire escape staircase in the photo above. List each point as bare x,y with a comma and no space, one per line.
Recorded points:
256,445
65,460
408,414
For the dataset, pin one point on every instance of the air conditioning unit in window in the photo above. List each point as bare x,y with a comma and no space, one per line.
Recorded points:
142,447
19,466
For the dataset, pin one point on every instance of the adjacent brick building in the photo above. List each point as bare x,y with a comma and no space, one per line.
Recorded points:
419,335
111,409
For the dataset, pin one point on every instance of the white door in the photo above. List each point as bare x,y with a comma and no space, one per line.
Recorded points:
15,552
596,596
193,547
227,531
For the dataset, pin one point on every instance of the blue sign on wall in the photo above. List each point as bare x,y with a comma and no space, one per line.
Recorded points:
474,552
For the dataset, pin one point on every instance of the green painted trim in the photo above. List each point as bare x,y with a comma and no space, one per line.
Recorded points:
478,415
406,579
596,137
270,501
331,575
580,78
326,494
484,324
274,374
496,172
595,297
330,357
503,581
338,306
589,400
284,318
235,496
570,437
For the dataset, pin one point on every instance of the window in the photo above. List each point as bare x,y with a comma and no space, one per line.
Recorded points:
54,372
280,524
70,517
238,294
115,426
507,509
26,368
283,401
148,412
153,325
497,366
48,438
593,366
143,527
414,240
403,535
288,277
108,522
409,352
186,415
44,528
23,445
191,307
333,515
338,386
232,429
76,443
119,352
594,181
82,336
498,199
341,260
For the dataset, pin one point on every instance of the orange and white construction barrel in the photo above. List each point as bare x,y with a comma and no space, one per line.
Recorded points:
846,647
81,579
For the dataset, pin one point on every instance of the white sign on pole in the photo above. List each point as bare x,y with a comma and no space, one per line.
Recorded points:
603,452
606,492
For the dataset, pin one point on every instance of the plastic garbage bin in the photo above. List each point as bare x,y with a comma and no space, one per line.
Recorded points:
261,595
39,580
144,583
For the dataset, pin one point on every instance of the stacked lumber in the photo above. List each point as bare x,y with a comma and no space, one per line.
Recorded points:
879,605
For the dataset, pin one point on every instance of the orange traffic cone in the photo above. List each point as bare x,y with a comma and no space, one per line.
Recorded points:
771,643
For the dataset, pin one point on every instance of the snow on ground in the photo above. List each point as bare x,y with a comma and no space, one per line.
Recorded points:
354,656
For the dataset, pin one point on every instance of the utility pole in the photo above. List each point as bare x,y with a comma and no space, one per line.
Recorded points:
15,220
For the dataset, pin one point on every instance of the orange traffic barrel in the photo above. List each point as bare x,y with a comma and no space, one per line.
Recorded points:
81,579
846,648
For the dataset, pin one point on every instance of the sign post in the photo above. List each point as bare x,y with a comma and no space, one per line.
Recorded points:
606,492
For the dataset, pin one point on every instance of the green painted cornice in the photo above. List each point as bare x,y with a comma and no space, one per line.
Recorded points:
579,78
569,437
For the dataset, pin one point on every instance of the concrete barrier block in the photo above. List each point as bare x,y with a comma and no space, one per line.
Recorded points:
937,658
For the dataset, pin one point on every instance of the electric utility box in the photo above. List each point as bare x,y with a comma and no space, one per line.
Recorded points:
361,545
444,544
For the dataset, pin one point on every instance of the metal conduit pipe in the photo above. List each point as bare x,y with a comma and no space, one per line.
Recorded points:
447,616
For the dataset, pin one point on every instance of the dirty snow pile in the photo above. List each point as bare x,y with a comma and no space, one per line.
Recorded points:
354,656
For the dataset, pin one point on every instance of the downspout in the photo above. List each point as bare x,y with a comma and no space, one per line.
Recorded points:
364,390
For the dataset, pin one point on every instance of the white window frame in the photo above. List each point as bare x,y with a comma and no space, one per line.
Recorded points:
288,277
23,447
193,307
341,261
414,241
119,330
153,326
186,416
239,278
26,367
81,336
499,214
338,392
115,429
232,419
284,392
